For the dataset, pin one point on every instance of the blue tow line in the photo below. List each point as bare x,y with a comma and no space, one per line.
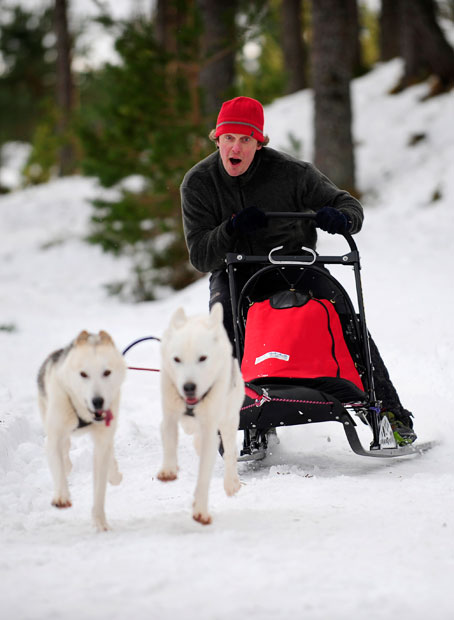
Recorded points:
133,344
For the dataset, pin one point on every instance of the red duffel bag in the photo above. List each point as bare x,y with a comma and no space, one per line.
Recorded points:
295,335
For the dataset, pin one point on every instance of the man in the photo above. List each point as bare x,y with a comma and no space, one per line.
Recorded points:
224,201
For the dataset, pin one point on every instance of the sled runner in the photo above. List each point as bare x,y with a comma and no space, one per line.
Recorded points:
304,349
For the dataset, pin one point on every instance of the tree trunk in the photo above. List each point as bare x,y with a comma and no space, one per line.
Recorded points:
168,21
65,88
218,54
293,45
354,40
390,29
425,49
331,74
172,18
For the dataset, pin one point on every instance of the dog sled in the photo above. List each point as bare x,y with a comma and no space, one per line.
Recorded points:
283,307
304,350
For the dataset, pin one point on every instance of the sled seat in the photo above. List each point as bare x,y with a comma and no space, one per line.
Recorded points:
344,390
270,403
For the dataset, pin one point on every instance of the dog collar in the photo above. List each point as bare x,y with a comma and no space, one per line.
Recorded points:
190,408
80,422
83,423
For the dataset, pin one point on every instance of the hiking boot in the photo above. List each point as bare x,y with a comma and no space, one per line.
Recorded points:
402,430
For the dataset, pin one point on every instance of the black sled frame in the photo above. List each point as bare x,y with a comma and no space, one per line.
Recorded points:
279,402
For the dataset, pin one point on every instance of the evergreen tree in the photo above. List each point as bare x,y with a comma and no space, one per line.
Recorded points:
264,77
27,80
145,122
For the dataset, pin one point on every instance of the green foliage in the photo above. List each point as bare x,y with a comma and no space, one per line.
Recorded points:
262,77
8,327
41,163
27,80
370,30
139,118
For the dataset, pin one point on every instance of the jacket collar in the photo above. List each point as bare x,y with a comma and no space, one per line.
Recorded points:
246,176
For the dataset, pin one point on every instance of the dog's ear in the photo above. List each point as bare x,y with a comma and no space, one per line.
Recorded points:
179,318
82,338
105,338
217,314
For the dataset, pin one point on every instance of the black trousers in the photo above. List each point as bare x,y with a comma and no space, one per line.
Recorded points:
384,388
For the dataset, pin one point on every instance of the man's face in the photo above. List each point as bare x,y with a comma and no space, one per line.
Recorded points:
237,152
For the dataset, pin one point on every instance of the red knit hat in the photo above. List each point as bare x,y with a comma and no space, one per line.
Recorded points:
241,115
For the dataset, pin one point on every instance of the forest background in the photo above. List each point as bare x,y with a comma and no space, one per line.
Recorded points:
139,120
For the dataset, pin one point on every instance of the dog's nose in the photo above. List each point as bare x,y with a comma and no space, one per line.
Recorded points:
98,403
189,389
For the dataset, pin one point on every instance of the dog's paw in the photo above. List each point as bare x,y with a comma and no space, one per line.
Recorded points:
115,478
59,502
100,524
166,475
203,518
232,486
99,520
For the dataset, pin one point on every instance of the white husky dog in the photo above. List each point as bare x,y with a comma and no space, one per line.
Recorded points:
202,388
79,391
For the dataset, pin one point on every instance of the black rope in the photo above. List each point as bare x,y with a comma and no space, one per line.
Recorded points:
333,342
140,340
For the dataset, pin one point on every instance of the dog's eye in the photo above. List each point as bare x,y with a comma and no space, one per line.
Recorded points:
202,358
177,360
106,373
83,374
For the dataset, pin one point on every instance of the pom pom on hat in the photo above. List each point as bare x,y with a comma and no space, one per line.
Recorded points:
241,115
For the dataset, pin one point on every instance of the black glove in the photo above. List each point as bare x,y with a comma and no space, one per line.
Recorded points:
246,221
331,220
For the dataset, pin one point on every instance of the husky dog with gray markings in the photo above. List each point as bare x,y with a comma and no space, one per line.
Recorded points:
79,392
203,390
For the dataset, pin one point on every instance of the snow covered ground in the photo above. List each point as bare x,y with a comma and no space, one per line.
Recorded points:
316,532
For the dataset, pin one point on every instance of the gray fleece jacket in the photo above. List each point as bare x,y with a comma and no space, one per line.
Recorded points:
273,182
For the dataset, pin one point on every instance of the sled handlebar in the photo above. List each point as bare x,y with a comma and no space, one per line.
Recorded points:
309,216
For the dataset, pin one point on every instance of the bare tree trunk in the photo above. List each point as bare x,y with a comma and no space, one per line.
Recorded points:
168,21
218,53
390,29
293,45
331,74
65,87
412,50
355,38
171,18
425,49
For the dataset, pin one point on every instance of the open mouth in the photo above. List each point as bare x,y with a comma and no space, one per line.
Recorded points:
103,416
234,161
191,401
